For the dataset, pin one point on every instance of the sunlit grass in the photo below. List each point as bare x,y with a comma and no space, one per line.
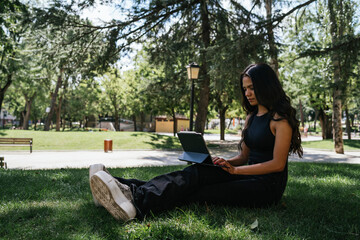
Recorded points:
328,144
78,140
321,201
84,140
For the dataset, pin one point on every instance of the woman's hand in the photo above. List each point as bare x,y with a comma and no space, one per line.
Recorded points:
225,165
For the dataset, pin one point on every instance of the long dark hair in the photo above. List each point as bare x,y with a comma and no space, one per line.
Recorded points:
270,94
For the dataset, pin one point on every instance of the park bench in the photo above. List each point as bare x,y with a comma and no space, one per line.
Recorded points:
17,142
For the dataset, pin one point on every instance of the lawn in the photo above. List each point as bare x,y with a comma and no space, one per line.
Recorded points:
322,201
83,140
328,144
227,131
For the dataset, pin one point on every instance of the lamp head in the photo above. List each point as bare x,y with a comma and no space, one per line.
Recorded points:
193,70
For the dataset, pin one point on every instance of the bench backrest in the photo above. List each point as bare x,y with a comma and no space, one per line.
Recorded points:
16,140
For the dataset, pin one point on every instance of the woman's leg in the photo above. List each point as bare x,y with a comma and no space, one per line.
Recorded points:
246,191
130,182
171,189
194,183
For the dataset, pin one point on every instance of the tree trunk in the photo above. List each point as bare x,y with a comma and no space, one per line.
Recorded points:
325,123
86,122
116,112
301,114
117,120
58,114
352,118
63,123
270,32
22,116
337,130
29,101
336,33
26,116
222,112
53,100
175,121
202,108
4,89
315,119
231,120
348,127
142,120
134,120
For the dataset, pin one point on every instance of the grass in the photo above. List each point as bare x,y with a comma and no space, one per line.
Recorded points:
328,144
81,140
217,131
322,201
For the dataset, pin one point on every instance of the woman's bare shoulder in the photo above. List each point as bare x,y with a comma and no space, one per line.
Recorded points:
247,118
278,117
279,120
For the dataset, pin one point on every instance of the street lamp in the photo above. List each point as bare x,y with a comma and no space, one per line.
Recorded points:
193,74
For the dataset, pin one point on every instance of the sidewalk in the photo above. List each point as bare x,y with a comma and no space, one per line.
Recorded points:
136,158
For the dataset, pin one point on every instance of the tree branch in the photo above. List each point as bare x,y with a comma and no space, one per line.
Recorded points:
280,18
320,52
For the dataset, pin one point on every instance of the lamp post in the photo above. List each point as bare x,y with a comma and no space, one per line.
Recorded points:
193,74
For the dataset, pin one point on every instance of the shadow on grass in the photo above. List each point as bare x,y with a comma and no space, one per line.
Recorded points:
320,202
161,141
354,143
325,196
41,185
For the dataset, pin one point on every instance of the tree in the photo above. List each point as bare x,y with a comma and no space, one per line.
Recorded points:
30,78
81,102
196,20
11,26
115,90
71,52
337,32
168,91
155,19
333,38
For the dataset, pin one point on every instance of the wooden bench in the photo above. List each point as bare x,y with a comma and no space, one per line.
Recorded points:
17,142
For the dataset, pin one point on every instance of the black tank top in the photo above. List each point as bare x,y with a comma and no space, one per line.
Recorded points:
260,140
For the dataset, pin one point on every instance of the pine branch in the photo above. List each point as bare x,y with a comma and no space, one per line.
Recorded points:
278,19
324,51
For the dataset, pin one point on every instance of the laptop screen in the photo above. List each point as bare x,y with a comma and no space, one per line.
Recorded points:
193,142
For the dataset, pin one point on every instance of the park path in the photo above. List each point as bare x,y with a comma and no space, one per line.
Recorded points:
136,158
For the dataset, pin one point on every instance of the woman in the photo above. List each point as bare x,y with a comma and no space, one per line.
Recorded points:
255,178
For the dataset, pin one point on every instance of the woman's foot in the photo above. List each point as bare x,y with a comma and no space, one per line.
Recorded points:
113,195
92,170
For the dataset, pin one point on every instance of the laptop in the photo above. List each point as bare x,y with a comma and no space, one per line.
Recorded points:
195,149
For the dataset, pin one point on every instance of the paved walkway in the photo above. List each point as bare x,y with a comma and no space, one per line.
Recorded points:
135,158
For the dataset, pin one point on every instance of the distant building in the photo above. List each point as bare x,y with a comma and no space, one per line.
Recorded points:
166,124
6,118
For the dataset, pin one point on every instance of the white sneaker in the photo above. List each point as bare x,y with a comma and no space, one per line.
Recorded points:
113,195
92,170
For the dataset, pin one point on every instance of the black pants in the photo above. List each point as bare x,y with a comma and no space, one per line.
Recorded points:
198,183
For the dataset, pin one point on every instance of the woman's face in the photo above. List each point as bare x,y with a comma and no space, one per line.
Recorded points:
249,91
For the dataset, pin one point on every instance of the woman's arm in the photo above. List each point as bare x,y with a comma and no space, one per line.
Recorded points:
283,134
238,160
